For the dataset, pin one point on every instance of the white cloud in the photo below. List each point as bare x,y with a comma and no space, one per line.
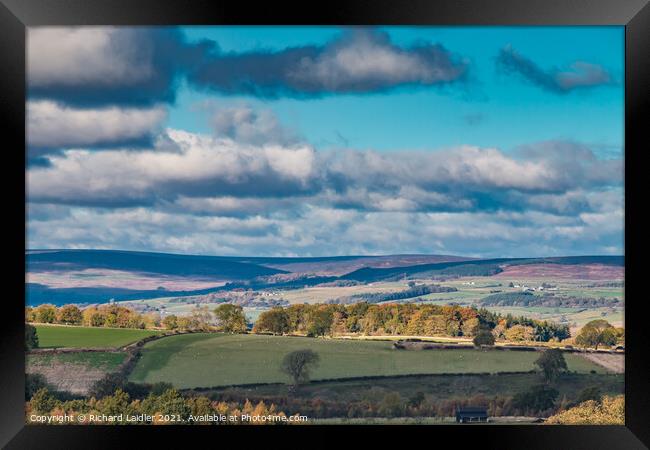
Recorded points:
50,124
369,58
81,55
328,231
202,165
246,125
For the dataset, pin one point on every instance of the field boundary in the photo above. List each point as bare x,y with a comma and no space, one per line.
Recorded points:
375,378
425,345
362,378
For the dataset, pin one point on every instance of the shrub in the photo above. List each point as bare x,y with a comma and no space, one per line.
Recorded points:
610,411
31,337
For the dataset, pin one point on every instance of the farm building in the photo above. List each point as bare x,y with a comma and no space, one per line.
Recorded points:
471,414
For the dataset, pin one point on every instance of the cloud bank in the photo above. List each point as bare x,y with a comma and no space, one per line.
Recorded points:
105,172
215,173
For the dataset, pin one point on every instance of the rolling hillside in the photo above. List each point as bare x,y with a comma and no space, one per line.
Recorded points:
97,276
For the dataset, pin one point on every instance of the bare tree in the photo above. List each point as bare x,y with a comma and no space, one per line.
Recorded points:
298,365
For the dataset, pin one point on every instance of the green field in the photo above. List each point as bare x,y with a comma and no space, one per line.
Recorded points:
57,336
206,360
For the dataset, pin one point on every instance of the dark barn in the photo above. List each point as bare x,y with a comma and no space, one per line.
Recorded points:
471,414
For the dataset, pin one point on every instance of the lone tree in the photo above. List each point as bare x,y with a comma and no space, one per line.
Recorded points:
230,318
595,333
31,338
483,337
298,364
552,363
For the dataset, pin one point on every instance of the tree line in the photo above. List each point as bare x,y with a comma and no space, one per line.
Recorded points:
159,407
336,319
548,300
404,319
227,318
412,291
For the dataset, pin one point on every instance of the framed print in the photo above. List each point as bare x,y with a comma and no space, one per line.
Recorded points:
408,217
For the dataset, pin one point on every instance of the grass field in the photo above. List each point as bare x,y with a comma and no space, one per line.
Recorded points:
205,360
53,336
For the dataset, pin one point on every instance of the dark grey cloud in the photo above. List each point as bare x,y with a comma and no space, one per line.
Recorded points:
142,66
360,61
580,75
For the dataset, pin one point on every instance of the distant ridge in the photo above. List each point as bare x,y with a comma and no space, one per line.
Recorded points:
254,272
375,274
157,263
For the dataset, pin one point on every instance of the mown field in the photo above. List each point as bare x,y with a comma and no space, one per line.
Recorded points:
74,372
57,336
107,361
206,360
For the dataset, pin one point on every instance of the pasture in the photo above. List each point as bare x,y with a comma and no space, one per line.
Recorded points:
207,360
63,336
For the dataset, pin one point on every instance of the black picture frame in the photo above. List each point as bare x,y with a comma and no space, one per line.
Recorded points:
16,15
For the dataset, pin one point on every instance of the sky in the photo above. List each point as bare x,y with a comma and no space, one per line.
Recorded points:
314,141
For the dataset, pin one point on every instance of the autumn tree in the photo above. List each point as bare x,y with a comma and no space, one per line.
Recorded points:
170,322
609,411
30,314
46,313
230,318
320,323
299,363
97,319
519,333
201,318
42,402
69,315
595,333
275,321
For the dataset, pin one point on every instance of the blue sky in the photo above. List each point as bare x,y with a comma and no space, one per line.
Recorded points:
478,141
494,103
